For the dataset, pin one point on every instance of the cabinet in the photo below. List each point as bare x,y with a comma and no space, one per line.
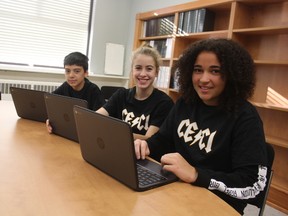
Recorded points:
261,27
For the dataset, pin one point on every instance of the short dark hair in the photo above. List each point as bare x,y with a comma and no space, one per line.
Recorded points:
77,58
237,67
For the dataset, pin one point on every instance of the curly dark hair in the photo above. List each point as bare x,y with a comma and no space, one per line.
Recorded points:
237,67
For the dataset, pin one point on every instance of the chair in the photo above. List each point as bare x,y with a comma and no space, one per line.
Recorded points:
108,91
260,201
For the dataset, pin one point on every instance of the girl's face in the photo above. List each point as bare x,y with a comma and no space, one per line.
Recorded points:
75,76
144,71
207,79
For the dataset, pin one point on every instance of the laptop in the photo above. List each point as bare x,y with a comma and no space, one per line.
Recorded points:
107,143
29,104
60,114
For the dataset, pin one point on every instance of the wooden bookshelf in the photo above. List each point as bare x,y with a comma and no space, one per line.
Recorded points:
261,26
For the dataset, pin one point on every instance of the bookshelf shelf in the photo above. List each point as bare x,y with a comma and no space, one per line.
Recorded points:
280,184
277,141
275,30
279,188
203,35
262,28
173,90
155,37
267,62
271,106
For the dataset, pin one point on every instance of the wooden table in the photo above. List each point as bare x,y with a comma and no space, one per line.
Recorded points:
44,174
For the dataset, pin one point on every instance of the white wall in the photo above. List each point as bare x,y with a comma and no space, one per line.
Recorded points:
115,23
110,25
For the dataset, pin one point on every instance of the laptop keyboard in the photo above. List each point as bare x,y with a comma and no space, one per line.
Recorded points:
147,177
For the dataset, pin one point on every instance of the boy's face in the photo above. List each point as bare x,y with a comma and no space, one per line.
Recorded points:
75,76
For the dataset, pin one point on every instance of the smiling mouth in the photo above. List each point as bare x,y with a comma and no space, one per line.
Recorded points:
143,80
204,87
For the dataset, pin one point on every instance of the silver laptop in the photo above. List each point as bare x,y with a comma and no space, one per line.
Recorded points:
60,114
107,143
29,104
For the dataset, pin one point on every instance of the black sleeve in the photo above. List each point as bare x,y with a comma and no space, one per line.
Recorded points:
162,142
249,174
161,111
96,100
113,105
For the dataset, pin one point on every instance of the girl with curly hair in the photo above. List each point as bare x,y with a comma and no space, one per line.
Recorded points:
213,137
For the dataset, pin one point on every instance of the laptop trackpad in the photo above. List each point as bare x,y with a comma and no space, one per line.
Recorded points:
155,167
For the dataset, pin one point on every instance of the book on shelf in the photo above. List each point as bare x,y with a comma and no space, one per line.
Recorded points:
193,21
168,53
151,27
166,25
180,23
174,84
205,20
163,46
190,21
159,26
163,78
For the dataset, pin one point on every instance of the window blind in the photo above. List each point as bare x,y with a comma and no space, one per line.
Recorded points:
42,32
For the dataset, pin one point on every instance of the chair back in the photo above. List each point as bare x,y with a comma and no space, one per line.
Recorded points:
260,201
108,91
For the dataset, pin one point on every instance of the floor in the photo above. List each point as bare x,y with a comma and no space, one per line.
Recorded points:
268,211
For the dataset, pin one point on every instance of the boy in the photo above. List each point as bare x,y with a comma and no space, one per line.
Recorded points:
77,85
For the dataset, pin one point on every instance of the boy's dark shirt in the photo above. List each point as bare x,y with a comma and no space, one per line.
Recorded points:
90,92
